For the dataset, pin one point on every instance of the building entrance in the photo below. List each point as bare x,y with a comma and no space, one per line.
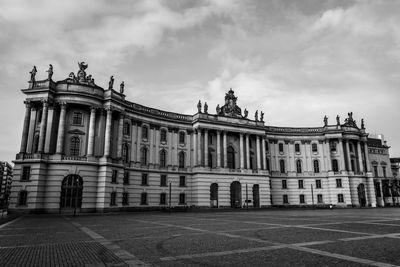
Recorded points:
361,195
236,195
256,196
71,192
214,195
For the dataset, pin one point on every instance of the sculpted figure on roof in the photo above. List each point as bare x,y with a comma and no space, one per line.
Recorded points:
230,108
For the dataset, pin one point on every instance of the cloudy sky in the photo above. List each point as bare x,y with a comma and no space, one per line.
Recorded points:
295,60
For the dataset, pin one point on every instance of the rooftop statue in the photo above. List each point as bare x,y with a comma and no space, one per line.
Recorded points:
80,78
325,121
337,120
50,71
262,117
121,87
230,108
362,124
33,74
111,83
199,107
256,116
205,108
218,109
350,122
81,75
246,113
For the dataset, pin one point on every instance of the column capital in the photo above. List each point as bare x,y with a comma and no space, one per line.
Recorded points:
28,103
62,104
45,102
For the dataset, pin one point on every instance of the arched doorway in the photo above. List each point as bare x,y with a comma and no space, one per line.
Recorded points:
214,195
361,195
236,195
256,196
71,192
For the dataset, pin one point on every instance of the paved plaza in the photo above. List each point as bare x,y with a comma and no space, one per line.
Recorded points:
339,237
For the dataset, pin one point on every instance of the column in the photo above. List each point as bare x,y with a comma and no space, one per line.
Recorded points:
31,132
120,131
289,157
169,159
276,147
61,129
247,152
360,162
348,155
225,150
206,148
194,147
25,128
258,152
107,143
151,144
367,163
199,161
175,145
328,155
264,152
218,149
342,164
241,151
306,157
138,141
157,149
92,123
43,124
134,142
49,128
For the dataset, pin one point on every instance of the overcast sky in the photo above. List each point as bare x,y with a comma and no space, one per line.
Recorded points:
295,60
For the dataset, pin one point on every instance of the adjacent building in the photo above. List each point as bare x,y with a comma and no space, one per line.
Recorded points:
88,147
6,175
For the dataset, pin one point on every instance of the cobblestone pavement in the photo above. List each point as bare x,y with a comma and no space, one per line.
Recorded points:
345,237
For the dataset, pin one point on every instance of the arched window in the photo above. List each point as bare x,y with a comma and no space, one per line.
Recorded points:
282,166
145,132
298,166
280,147
163,158
181,159
143,156
316,166
126,129
231,158
163,136
335,165
75,145
125,153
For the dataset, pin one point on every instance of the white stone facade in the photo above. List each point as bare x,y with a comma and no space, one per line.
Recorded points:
88,147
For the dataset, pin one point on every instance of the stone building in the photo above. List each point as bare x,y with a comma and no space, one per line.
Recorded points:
6,175
88,147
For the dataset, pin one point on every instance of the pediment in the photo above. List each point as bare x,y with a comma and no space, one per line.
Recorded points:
76,131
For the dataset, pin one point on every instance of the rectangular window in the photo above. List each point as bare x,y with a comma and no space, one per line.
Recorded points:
114,176
145,179
182,181
26,173
210,140
77,118
314,148
284,184
163,198
125,197
126,177
302,199
145,132
301,184
182,198
338,182
181,137
376,171
163,180
126,129
285,199
340,198
280,147
163,136
23,195
333,146
297,148
143,198
113,198
384,171
318,184
320,199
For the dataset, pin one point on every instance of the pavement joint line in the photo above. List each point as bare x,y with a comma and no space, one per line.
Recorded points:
335,230
10,222
385,224
298,246
47,244
128,258
393,235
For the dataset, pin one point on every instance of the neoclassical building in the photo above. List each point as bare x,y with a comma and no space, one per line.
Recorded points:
88,147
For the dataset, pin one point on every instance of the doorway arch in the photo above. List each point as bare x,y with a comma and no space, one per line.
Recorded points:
236,195
71,192
361,195
214,195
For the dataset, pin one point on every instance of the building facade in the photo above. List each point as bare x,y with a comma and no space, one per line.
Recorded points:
87,147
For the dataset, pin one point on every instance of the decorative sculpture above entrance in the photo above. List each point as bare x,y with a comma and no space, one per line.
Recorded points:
230,108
